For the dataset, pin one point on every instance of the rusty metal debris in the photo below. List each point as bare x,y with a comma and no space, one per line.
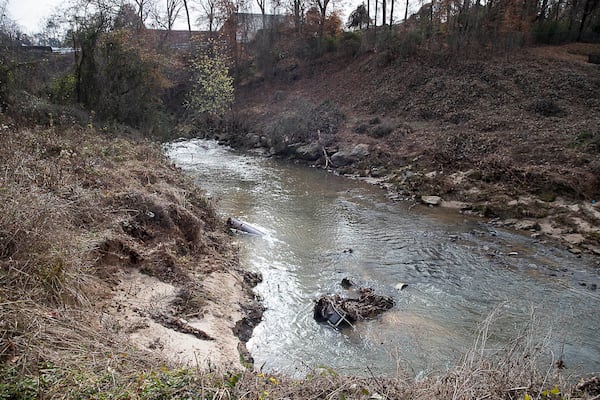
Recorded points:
338,311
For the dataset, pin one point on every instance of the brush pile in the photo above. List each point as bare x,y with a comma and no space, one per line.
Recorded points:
368,305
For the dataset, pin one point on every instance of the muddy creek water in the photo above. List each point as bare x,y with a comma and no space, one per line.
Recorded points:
458,271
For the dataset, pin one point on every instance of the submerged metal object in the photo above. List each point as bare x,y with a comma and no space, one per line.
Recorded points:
338,311
242,226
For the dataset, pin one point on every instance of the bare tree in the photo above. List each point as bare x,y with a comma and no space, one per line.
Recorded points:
53,31
322,6
588,8
375,19
358,17
297,9
144,8
210,9
187,15
3,4
126,18
262,5
557,9
233,27
406,12
9,29
543,9
173,10
166,17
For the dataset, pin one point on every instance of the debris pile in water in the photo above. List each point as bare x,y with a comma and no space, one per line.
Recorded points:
337,310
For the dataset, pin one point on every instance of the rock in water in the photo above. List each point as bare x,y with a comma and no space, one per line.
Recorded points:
431,200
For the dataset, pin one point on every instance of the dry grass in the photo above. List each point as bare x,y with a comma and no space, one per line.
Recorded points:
77,206
67,197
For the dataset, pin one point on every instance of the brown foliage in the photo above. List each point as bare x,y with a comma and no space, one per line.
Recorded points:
78,208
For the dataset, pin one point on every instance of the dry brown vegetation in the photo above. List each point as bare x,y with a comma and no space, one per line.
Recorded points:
510,135
82,211
81,208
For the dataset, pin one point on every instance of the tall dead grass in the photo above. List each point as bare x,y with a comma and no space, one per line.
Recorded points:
525,368
64,195
44,264
74,202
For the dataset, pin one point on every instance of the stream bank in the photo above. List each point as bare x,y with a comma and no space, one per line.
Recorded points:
106,246
319,228
511,138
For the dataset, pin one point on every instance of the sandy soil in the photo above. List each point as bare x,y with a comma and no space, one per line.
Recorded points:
138,297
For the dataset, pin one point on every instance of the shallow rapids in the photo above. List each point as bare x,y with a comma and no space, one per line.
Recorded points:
321,228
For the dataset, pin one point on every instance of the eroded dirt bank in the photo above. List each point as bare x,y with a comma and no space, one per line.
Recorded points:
104,235
512,137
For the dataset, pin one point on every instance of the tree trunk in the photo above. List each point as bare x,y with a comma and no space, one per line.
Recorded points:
465,11
323,9
383,4
375,23
573,16
542,15
557,13
391,13
297,16
187,15
406,12
262,6
589,7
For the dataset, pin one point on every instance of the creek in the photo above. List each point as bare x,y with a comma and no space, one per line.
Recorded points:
320,228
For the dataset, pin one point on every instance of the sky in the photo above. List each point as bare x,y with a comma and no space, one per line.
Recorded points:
30,14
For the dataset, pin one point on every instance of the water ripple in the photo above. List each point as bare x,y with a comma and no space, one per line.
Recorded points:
321,228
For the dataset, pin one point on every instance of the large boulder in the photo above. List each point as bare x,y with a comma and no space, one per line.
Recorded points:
309,152
347,157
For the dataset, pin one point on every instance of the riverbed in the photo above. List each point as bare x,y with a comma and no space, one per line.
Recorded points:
320,228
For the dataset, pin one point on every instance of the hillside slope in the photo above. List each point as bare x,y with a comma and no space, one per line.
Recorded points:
110,258
511,137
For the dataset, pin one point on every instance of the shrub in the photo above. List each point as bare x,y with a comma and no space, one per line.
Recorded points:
551,32
63,90
329,44
212,90
350,43
308,49
588,141
547,108
122,78
361,128
408,44
381,131
304,122
129,80
6,78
